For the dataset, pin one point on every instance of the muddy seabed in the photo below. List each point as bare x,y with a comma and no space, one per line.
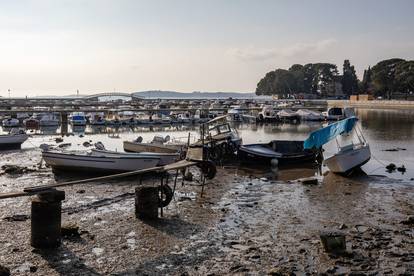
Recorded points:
245,223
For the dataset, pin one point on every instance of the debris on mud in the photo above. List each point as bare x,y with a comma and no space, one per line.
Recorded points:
65,145
70,230
15,169
16,218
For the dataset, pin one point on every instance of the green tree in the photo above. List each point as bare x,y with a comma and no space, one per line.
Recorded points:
366,83
349,79
383,77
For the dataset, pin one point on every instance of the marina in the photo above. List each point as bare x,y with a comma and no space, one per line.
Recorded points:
233,176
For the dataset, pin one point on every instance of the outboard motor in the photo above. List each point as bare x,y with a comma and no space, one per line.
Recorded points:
139,139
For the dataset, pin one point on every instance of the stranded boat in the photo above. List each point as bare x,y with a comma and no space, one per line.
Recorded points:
349,157
13,140
164,158
158,145
96,162
286,152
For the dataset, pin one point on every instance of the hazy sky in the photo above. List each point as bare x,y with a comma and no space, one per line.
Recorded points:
57,46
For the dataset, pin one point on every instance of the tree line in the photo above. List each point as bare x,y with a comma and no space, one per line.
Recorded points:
387,79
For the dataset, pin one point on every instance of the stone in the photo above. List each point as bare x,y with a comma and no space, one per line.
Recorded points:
17,218
4,271
70,230
408,221
309,181
333,242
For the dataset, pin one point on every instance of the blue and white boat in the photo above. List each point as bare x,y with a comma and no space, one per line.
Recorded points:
78,119
349,157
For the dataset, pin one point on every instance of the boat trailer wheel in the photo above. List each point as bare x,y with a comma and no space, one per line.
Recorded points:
165,195
208,168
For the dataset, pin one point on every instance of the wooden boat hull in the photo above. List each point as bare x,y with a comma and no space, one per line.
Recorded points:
97,164
148,147
345,162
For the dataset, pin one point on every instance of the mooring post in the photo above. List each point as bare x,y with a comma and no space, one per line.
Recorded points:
146,202
46,219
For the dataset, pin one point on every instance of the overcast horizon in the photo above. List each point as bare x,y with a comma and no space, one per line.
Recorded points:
58,47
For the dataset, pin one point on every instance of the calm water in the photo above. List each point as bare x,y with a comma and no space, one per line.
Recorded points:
383,129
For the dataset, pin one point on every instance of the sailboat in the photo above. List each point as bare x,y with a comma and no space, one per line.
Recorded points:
349,157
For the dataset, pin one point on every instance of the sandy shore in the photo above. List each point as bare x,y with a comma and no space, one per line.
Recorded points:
244,223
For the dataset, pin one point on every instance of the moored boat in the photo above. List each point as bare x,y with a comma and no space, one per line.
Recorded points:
13,140
164,158
96,162
158,145
286,152
11,122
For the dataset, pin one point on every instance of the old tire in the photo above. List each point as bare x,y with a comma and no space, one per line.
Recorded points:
165,195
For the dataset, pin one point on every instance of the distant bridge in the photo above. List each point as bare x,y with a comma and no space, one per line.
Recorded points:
112,94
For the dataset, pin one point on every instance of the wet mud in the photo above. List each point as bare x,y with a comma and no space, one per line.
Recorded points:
245,223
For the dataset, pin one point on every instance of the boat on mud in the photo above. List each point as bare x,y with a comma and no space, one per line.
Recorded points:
349,157
164,158
286,153
158,144
101,163
13,140
309,115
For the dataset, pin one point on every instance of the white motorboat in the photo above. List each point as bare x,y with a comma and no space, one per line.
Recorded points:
267,114
13,140
287,115
11,122
309,115
78,119
338,113
96,162
158,145
164,158
97,119
349,158
49,119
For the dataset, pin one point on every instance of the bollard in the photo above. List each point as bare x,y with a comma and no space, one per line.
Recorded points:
146,202
46,219
333,242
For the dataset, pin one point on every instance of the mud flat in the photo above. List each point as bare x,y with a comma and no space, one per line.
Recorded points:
245,223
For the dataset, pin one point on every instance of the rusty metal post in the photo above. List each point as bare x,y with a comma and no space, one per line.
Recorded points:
146,202
46,219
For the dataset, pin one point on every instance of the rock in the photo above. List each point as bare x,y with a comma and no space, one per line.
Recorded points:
188,176
33,269
309,181
391,167
343,226
408,221
59,140
4,271
80,191
81,135
86,144
402,169
17,218
15,169
70,230
333,242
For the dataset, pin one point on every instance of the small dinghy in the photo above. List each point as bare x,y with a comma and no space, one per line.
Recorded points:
97,162
287,115
13,140
349,157
286,152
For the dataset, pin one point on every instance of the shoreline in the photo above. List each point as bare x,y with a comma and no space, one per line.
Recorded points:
374,104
